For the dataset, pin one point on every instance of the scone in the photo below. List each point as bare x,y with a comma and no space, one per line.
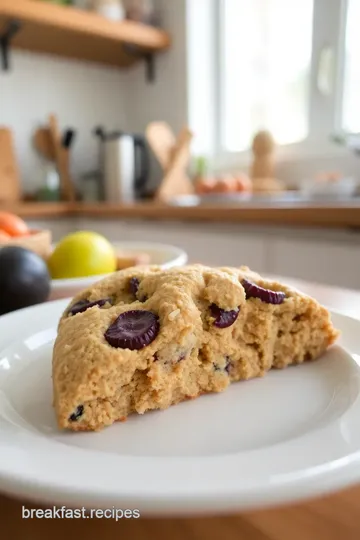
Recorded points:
146,338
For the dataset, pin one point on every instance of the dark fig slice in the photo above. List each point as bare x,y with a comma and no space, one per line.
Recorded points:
77,414
133,330
83,305
223,319
78,307
269,297
134,285
134,288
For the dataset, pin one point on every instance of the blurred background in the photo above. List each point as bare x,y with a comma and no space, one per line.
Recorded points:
227,128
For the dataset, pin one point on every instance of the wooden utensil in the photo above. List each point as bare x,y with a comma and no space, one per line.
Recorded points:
62,161
162,142
10,190
173,155
44,144
176,181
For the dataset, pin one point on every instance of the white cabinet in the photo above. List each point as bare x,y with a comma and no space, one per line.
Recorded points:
330,257
59,227
203,242
332,263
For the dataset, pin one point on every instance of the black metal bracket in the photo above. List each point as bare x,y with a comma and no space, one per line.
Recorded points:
150,67
148,57
5,41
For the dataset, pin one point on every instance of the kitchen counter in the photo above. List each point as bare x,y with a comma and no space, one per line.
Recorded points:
307,242
325,215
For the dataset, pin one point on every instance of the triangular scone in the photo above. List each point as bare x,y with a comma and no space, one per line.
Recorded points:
193,330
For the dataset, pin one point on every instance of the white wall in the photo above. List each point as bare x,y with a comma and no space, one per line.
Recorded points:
165,99
82,95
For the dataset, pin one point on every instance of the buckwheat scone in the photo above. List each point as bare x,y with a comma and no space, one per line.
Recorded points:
146,339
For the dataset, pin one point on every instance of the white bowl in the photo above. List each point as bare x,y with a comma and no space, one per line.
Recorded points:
343,188
160,254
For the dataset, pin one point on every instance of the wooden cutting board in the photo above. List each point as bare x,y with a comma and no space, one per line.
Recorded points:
162,142
10,190
173,155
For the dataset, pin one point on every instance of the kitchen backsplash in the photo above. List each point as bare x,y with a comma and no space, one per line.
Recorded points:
82,96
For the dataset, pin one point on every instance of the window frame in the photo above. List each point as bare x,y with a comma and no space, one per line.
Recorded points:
325,111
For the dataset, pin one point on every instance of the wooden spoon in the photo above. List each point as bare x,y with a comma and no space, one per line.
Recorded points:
44,144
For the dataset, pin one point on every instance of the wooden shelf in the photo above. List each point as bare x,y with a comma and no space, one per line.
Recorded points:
73,33
335,217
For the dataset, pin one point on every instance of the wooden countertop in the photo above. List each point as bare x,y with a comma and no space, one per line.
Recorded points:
331,215
333,517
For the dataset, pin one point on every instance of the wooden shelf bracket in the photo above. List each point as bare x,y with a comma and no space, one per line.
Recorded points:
10,31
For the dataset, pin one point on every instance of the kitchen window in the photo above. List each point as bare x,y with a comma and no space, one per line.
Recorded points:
351,99
292,67
263,81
